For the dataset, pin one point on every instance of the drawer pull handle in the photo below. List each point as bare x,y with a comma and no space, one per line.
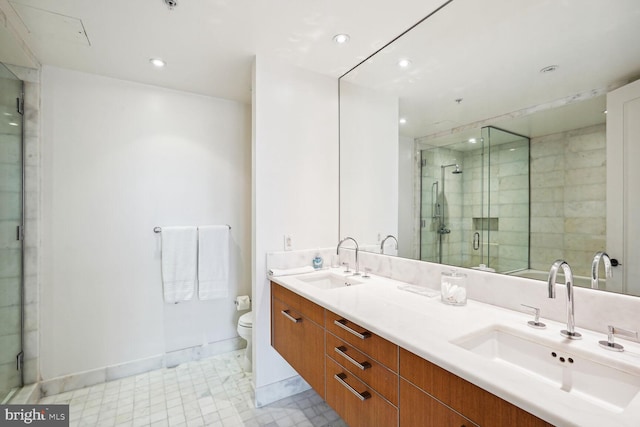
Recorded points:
362,336
341,351
286,314
341,379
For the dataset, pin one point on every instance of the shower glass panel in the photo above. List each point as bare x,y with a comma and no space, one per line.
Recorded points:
443,230
10,233
506,208
475,202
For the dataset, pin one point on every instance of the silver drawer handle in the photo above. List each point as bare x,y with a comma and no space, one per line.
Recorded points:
341,351
290,317
341,379
362,336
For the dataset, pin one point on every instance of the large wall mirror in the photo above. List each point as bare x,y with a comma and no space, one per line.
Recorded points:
478,138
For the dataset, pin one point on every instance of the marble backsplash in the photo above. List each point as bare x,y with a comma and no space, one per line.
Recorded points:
594,309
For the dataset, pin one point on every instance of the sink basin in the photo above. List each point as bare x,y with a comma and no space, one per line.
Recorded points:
575,373
327,280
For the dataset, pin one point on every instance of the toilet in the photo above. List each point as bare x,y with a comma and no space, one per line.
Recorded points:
245,327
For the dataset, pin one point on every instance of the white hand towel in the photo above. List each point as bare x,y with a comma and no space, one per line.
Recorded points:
179,262
275,272
213,262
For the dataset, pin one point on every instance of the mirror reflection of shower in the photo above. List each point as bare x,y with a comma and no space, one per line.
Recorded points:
479,218
440,204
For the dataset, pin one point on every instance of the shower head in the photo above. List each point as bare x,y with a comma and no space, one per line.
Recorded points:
456,171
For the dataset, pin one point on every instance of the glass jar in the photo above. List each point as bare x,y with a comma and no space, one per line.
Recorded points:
453,288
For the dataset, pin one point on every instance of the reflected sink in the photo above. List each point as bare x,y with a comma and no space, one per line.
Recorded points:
327,280
598,383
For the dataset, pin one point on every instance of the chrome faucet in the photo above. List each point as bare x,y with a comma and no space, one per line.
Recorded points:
594,268
568,281
389,236
357,272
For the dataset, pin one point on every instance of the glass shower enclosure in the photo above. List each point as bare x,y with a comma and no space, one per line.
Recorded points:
475,201
11,221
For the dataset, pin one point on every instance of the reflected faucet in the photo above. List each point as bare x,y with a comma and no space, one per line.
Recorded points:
357,273
389,236
594,268
568,281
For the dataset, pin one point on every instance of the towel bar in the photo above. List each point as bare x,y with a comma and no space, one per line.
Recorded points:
159,229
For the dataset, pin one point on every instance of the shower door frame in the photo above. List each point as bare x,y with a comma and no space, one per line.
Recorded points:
19,235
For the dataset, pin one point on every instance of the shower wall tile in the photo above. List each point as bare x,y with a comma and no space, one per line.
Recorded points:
8,344
555,226
594,175
568,198
9,291
517,182
582,209
518,210
10,318
596,226
595,192
549,179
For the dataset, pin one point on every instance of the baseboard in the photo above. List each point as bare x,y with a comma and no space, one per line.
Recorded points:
276,391
109,373
177,357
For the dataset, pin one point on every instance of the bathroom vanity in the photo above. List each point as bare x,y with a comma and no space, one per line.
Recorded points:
382,356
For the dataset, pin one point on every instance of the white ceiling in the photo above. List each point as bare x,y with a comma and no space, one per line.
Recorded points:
209,45
489,54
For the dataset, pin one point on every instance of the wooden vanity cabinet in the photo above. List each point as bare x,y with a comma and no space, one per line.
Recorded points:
362,374
462,397
359,404
424,410
298,335
371,382
375,346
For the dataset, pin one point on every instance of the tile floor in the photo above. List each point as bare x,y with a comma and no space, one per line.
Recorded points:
210,392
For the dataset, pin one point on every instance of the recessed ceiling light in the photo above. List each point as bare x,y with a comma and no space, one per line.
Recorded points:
157,62
549,69
13,124
472,141
341,38
404,63
403,120
604,112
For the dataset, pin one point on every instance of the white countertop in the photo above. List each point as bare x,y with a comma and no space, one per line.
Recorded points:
427,327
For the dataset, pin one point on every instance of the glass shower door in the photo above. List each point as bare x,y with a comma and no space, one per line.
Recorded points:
11,178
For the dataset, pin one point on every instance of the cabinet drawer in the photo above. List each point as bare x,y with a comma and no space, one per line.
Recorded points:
369,343
300,342
299,303
364,367
475,403
355,402
426,411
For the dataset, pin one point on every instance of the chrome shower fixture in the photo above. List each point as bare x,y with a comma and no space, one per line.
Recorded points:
456,171
171,3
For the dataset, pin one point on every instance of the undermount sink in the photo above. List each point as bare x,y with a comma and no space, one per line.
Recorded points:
327,280
551,363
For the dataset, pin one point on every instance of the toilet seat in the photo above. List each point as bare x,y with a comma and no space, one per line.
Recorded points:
246,320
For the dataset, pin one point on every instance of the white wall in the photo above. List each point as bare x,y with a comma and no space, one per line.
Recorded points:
369,153
118,159
295,182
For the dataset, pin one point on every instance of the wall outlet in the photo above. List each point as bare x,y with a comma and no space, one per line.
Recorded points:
288,242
